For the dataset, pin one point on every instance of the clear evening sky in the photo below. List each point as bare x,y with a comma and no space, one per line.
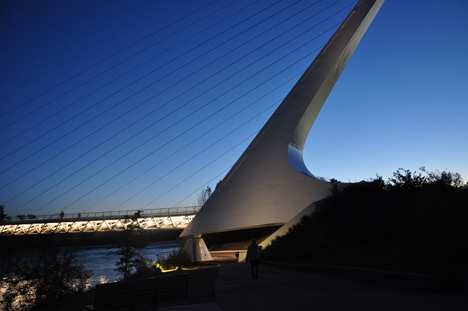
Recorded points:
145,139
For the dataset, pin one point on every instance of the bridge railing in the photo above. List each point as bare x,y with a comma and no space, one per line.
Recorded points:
157,212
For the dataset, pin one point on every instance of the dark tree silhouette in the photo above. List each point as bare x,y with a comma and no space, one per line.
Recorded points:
204,196
2,213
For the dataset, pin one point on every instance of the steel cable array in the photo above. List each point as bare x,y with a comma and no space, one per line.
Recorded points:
219,91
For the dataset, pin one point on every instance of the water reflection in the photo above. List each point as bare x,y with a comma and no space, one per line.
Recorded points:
96,260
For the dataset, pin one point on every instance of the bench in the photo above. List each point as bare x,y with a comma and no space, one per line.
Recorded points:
126,295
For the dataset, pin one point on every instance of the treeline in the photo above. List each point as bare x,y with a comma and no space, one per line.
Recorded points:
414,222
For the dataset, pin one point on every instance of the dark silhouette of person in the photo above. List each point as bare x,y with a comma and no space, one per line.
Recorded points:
253,257
62,214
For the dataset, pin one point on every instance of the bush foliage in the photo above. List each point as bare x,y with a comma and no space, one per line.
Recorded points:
176,258
41,281
130,262
414,222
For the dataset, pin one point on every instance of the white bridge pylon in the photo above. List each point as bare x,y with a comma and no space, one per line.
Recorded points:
175,218
270,183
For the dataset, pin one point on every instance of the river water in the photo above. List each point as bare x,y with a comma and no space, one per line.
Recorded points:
96,260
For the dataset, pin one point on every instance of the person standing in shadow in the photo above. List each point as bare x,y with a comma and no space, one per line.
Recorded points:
253,257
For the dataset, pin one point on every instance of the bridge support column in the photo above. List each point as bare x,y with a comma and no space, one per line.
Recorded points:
196,247
270,183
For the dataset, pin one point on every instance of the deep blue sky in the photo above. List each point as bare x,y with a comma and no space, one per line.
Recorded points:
401,102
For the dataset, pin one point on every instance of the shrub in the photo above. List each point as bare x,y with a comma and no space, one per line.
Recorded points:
144,267
414,222
176,258
129,259
42,281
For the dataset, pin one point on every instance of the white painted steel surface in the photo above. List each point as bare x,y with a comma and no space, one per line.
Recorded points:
171,218
197,250
270,183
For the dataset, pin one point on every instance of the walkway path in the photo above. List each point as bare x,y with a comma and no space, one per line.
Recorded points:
281,289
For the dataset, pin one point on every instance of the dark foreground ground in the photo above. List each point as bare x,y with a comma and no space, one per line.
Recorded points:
292,287
231,288
202,289
278,288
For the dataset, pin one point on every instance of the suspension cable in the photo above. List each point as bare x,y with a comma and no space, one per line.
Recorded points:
113,80
107,58
168,102
159,134
119,103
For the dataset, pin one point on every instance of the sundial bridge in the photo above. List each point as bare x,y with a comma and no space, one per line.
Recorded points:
269,183
149,219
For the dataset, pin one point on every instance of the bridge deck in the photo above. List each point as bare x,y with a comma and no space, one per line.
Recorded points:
173,218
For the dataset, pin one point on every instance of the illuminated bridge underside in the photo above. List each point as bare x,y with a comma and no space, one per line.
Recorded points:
102,222
270,183
152,223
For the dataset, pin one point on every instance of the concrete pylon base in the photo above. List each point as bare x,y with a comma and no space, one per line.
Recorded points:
197,249
284,229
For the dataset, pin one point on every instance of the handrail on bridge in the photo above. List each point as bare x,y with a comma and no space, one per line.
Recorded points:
156,212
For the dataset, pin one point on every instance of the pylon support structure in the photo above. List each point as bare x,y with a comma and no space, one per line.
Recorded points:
270,184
